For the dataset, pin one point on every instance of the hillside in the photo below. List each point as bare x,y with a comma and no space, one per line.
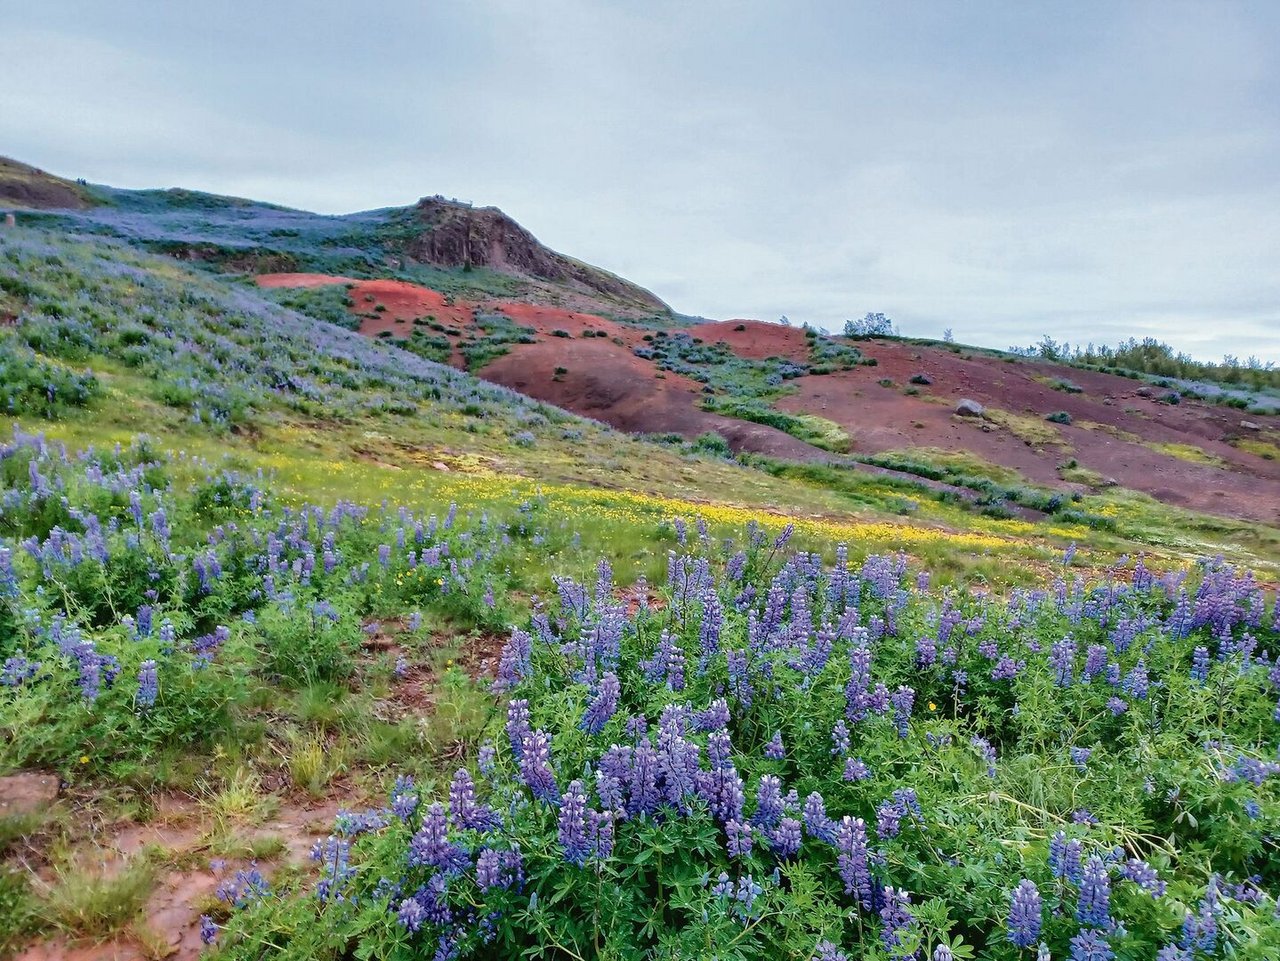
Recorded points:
889,401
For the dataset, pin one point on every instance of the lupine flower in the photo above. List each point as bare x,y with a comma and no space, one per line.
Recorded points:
903,699
856,770
148,684
895,917
816,821
786,837
1144,876
1080,756
738,834
1200,664
498,869
1025,909
826,951
535,767
769,806
603,704
852,859
431,845
1064,857
1094,906
1090,945
518,725
774,750
573,824
466,812
208,930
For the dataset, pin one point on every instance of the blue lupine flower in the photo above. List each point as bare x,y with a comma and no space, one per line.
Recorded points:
1094,906
1200,664
573,824
148,684
535,767
603,704
1025,909
774,750
1090,945
852,859
826,951
769,806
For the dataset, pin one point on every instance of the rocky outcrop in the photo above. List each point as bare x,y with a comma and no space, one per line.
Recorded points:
451,234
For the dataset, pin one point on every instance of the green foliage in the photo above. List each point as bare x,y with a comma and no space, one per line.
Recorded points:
330,303
810,428
32,385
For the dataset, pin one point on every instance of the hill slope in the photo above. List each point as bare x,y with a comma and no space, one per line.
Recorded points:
470,288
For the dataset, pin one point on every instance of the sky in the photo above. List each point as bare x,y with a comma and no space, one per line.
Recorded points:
1090,171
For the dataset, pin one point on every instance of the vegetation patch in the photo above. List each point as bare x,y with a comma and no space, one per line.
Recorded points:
818,431
1187,452
1033,431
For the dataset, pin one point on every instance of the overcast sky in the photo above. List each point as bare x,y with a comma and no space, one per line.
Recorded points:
1087,170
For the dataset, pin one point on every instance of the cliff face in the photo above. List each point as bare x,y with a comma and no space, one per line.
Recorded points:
456,235
22,185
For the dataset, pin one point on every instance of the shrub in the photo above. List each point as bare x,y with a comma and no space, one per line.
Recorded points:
1059,417
560,333
921,379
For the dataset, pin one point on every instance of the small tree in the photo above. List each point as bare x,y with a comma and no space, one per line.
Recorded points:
872,325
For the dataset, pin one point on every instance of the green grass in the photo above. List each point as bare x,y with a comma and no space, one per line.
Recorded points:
85,904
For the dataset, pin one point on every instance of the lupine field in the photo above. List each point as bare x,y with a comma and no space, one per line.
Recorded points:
683,731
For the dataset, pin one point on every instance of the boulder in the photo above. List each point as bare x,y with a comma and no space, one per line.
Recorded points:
1249,425
969,408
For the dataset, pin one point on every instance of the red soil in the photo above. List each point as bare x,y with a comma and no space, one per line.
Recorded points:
757,340
884,418
607,383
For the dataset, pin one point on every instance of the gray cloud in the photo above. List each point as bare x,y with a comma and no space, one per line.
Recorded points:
1089,170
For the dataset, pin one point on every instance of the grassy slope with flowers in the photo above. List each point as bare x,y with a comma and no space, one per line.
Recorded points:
197,613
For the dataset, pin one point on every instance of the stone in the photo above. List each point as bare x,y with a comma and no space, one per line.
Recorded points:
26,793
1249,425
969,408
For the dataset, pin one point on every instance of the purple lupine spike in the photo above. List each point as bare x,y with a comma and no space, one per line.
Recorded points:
431,845
1025,914
903,699
1094,907
1065,857
642,795
572,829
895,917
852,859
603,704
738,834
1090,945
515,663
774,750
148,684
535,767
786,837
816,821
518,725
769,805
